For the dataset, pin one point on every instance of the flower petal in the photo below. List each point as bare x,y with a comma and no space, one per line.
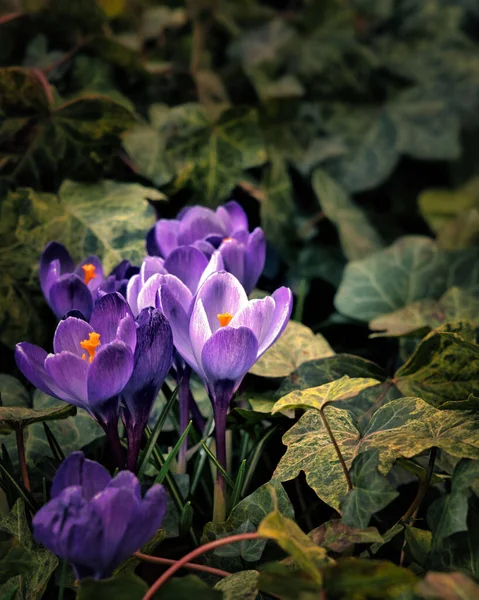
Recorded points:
99,275
221,293
199,333
127,332
205,247
215,264
70,293
232,216
257,315
127,480
70,373
166,237
233,253
283,299
68,335
30,360
188,264
147,518
109,372
150,266
254,259
132,290
107,314
78,470
229,354
179,291
54,252
197,224
171,303
147,294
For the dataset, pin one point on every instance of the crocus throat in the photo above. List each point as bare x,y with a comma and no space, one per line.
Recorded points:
89,273
224,319
90,345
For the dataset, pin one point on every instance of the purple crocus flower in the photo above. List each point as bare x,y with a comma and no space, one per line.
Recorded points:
117,280
91,362
65,287
226,229
222,335
96,522
186,265
152,361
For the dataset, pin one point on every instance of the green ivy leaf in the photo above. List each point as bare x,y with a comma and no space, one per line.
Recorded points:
33,583
14,559
286,583
239,586
440,370
358,237
447,586
371,491
14,417
296,345
245,517
413,268
186,588
13,392
338,537
404,427
123,587
321,396
418,544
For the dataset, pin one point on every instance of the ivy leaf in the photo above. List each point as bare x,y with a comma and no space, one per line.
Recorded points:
13,418
123,587
456,304
371,491
13,392
404,428
245,517
364,579
307,556
418,544
33,583
239,586
358,237
321,396
338,537
108,219
296,345
185,588
447,586
14,559
413,268
280,580
440,370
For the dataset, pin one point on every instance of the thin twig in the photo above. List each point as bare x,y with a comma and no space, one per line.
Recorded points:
21,457
336,447
194,554
169,561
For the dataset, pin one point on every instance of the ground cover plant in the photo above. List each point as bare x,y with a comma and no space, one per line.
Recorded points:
239,299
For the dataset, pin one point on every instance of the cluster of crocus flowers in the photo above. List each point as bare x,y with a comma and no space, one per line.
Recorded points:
186,306
95,521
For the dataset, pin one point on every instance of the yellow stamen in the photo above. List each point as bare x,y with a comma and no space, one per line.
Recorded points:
90,345
224,319
89,273
228,239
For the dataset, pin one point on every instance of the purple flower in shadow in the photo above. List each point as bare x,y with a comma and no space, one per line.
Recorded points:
91,362
96,522
225,229
152,361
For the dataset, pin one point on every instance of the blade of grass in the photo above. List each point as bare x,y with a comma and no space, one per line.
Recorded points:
255,456
186,518
53,443
214,460
236,493
23,493
156,432
172,455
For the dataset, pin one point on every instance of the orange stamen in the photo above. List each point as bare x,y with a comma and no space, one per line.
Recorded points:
89,273
90,345
224,319
228,239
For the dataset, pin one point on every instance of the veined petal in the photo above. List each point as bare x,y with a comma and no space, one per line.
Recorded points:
78,470
70,293
109,372
199,333
166,236
54,252
68,335
254,259
229,354
205,247
283,299
147,518
132,291
233,253
53,274
178,318
215,264
147,294
127,480
98,277
188,264
30,360
233,216
107,314
126,332
179,291
198,223
257,315
70,373
221,293
150,266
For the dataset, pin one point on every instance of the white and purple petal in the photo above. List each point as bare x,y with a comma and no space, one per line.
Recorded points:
68,335
188,264
283,299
